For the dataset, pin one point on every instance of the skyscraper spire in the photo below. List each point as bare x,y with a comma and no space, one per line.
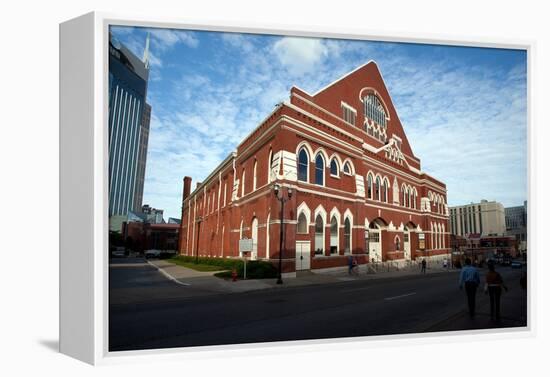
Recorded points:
146,52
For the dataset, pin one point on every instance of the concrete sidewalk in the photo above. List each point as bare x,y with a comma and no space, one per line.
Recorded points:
207,282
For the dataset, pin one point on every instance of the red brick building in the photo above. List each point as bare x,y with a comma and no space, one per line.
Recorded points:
146,236
357,187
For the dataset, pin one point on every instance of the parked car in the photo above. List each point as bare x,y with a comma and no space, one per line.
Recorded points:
152,253
118,252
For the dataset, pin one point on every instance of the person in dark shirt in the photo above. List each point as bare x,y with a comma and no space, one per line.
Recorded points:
494,285
423,269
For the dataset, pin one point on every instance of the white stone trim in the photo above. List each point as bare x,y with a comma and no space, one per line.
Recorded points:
326,123
349,107
359,185
377,94
341,78
290,167
295,125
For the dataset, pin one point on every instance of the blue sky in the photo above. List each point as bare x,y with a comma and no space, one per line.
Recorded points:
464,109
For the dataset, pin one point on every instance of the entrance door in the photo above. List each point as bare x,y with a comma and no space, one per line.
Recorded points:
303,252
375,247
407,244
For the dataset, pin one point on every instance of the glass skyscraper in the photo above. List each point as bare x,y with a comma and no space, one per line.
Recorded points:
129,117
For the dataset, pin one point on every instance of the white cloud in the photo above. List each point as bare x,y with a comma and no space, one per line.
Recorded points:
467,125
300,55
238,41
163,39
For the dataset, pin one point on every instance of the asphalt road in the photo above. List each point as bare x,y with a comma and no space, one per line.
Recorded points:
149,311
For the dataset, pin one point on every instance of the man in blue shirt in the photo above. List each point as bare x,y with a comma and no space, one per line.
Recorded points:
469,278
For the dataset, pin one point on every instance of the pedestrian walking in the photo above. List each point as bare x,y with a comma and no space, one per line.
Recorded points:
469,279
423,264
445,263
350,264
354,266
494,285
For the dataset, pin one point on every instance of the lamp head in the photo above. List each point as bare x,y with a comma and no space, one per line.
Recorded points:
276,188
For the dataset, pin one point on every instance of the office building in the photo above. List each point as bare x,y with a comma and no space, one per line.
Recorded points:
484,218
516,225
129,117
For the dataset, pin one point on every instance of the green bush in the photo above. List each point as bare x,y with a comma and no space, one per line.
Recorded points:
254,269
222,262
257,270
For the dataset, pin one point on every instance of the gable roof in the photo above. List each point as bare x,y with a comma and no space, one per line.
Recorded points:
348,88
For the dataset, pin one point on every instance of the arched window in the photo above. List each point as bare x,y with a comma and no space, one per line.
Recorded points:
404,196
377,189
432,246
374,109
319,170
242,183
347,168
369,186
334,167
303,164
269,165
302,223
255,181
438,232
347,236
397,243
319,235
414,199
384,191
333,235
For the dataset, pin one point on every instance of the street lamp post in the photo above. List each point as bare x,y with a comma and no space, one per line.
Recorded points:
282,199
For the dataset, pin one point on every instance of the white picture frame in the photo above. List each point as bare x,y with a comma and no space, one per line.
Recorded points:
84,173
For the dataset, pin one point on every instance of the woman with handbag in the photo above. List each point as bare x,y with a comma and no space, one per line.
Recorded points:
494,285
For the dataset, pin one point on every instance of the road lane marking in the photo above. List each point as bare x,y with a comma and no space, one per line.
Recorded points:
400,296
167,275
355,289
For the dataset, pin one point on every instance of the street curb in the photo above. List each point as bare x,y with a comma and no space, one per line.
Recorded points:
167,275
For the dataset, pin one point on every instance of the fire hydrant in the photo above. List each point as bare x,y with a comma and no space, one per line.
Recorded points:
234,275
